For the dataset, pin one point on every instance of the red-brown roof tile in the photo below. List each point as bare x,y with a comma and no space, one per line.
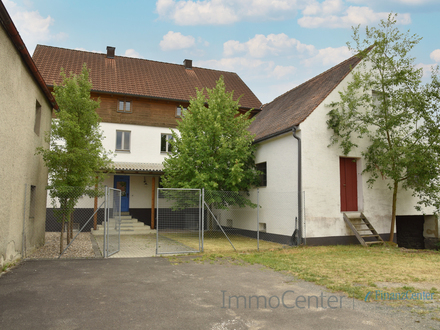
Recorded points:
294,106
132,76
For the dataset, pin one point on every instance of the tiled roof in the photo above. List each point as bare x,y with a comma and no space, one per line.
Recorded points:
138,167
133,76
294,106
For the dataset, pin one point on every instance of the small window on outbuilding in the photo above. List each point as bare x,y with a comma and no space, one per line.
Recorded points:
37,118
32,206
262,168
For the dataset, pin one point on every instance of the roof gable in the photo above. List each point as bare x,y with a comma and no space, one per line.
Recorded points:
12,32
294,106
138,77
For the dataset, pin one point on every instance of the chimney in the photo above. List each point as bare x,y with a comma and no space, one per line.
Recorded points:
110,52
188,64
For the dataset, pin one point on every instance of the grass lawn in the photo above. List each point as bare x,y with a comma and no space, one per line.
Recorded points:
383,274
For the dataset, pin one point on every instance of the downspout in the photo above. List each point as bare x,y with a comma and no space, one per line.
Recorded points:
300,220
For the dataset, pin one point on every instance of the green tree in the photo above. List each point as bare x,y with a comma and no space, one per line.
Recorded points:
387,104
76,159
213,149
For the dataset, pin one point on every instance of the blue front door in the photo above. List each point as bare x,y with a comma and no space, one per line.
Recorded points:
122,182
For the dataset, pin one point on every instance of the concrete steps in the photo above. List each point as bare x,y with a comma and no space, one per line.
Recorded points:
129,226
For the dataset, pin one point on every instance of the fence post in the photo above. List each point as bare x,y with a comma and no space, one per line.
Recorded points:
258,219
304,218
157,219
104,244
203,217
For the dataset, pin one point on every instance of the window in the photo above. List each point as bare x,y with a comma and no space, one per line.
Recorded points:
37,118
33,203
124,106
165,145
262,168
180,112
123,141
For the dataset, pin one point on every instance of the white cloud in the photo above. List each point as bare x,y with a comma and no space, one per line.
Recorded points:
328,7
261,46
328,56
427,69
331,14
280,71
132,53
435,55
32,27
218,12
176,40
253,68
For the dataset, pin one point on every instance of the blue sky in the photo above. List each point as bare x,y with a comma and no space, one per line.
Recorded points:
273,45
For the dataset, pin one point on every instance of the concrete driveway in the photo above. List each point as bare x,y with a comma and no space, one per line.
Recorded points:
152,293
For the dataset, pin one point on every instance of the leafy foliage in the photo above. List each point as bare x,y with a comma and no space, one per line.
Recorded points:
212,148
76,158
387,103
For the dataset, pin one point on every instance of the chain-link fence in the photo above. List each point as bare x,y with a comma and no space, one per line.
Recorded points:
227,220
179,219
72,223
231,221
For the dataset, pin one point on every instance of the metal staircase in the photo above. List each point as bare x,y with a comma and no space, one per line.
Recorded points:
363,229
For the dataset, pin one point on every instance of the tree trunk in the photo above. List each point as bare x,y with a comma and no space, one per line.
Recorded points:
393,212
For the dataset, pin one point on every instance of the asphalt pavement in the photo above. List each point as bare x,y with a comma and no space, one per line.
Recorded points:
153,293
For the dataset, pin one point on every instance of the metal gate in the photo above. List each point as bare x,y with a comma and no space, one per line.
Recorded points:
179,225
112,222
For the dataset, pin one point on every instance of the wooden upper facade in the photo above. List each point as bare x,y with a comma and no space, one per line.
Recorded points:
138,91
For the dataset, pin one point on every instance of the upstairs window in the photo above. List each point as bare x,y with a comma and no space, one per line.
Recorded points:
124,106
165,145
262,167
123,140
180,112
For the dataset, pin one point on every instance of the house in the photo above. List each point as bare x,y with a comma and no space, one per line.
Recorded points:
26,112
141,101
293,149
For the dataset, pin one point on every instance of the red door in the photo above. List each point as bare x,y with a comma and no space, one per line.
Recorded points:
349,199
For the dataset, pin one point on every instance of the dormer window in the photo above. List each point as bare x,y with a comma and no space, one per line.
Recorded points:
124,106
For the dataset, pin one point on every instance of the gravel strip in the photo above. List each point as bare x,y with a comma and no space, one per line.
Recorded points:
80,248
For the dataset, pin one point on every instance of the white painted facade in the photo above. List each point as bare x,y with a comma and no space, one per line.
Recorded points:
145,147
144,143
321,180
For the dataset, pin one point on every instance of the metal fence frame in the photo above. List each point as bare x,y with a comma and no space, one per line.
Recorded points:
158,221
116,216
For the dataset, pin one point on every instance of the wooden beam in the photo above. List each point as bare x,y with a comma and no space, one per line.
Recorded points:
153,179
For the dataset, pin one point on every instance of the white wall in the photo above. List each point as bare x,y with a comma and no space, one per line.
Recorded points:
279,198
321,181
145,142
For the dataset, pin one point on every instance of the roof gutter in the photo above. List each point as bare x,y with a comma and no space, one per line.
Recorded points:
270,136
300,222
13,34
